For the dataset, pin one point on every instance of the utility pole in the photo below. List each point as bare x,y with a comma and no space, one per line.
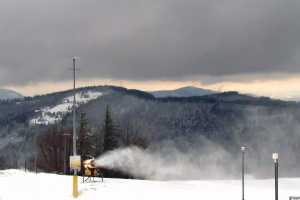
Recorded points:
276,158
243,149
76,159
74,110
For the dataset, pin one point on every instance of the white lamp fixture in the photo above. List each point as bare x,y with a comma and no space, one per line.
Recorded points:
275,157
243,148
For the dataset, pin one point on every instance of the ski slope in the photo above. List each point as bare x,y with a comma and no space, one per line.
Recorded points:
19,185
51,115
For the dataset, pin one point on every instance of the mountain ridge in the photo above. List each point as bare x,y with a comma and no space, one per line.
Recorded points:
227,119
6,94
187,91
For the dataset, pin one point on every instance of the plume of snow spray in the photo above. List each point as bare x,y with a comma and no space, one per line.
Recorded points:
164,164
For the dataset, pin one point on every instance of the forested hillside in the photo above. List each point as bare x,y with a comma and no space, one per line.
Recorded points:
36,128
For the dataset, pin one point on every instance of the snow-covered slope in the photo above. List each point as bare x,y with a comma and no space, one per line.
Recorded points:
183,92
16,185
9,94
50,115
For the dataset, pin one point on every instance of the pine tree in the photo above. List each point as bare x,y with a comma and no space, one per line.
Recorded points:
99,142
111,133
86,139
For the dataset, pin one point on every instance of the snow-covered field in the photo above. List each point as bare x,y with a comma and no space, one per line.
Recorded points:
17,185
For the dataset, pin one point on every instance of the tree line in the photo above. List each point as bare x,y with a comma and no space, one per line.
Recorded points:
55,145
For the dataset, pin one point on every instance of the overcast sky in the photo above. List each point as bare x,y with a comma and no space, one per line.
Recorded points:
208,41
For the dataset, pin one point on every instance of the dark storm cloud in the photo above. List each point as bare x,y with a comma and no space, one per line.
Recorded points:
143,40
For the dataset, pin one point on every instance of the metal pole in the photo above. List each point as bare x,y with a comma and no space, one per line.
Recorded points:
75,177
243,172
276,180
275,158
74,111
243,175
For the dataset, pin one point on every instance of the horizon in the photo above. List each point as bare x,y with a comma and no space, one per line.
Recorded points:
152,45
129,85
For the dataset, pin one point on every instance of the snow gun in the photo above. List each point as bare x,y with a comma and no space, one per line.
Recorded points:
91,171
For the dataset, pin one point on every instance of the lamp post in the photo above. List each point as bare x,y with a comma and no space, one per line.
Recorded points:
276,158
243,149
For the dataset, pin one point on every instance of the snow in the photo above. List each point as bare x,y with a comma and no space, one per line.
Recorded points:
51,115
17,184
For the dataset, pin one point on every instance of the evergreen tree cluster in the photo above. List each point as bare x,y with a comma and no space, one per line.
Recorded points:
55,146
111,132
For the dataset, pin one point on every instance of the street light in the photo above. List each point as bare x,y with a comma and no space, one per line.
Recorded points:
276,158
243,149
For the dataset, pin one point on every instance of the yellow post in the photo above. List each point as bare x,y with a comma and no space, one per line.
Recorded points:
75,187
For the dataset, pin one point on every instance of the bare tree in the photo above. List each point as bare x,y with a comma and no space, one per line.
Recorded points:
51,150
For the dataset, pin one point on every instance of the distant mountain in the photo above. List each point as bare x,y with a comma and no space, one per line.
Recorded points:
9,94
183,92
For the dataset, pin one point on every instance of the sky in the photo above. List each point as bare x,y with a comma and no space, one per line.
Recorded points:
252,46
